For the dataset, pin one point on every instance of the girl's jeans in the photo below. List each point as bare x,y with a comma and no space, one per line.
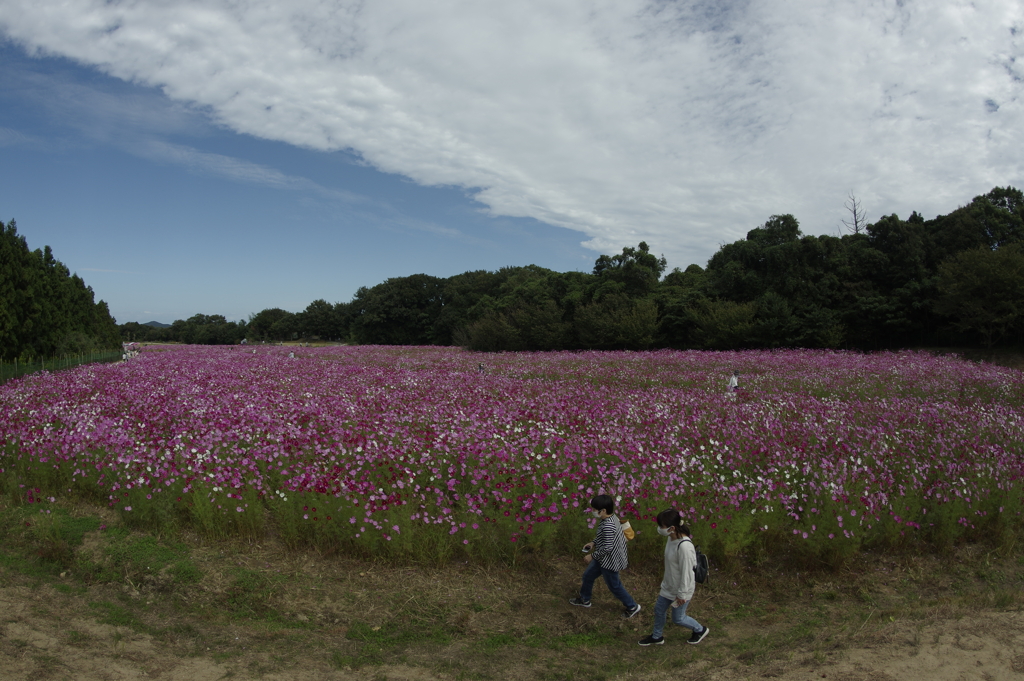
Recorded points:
611,578
679,616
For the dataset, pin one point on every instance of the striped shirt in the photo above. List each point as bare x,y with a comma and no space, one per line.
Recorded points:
610,545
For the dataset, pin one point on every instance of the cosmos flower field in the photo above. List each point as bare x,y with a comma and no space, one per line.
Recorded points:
424,453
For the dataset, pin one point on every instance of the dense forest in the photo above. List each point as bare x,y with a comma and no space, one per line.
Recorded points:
46,311
957,279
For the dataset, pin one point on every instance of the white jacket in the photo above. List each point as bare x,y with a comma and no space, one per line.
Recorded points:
680,559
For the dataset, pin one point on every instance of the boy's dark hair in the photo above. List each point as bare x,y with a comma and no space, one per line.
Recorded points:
670,517
603,502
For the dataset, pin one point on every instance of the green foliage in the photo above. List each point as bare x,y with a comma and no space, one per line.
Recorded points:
116,615
493,333
45,310
617,322
273,324
143,557
525,308
397,312
250,594
722,324
199,329
982,290
203,329
18,369
636,271
323,321
55,535
209,512
952,280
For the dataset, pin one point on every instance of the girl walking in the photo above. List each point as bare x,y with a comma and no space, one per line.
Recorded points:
678,584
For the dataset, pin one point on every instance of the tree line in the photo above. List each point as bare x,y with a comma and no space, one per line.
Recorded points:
45,310
200,329
957,279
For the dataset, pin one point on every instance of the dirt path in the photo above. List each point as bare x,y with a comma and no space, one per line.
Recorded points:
988,646
38,641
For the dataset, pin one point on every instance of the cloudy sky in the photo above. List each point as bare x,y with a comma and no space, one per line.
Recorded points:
224,156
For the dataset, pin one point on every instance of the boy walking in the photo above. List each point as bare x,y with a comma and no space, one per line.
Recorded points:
607,557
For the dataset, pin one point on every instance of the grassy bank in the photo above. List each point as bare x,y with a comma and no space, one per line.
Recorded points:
258,608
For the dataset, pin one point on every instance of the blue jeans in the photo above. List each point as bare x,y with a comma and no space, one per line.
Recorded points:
611,578
679,616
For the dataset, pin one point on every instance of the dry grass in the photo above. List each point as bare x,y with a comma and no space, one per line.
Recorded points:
260,609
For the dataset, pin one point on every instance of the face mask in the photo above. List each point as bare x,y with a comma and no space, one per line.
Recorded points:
663,531
596,514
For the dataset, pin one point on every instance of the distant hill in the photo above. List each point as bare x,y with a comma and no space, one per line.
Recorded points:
156,325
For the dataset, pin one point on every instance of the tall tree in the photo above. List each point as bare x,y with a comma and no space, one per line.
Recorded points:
635,272
323,320
400,311
272,324
44,308
982,291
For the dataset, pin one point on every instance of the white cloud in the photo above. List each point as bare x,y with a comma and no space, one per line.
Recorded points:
10,138
682,123
100,114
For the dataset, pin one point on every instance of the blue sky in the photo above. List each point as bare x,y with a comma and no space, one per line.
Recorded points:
223,157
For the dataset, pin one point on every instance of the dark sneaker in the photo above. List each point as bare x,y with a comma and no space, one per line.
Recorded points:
697,638
631,611
651,641
580,602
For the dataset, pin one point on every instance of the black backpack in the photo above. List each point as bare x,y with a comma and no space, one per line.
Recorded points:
702,568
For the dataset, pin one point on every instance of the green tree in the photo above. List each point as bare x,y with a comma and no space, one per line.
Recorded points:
635,272
677,296
465,299
617,322
992,220
791,283
44,308
323,320
271,324
400,311
204,329
143,333
775,325
494,332
982,291
724,324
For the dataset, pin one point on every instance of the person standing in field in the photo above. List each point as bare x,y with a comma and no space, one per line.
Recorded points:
606,557
678,583
734,382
